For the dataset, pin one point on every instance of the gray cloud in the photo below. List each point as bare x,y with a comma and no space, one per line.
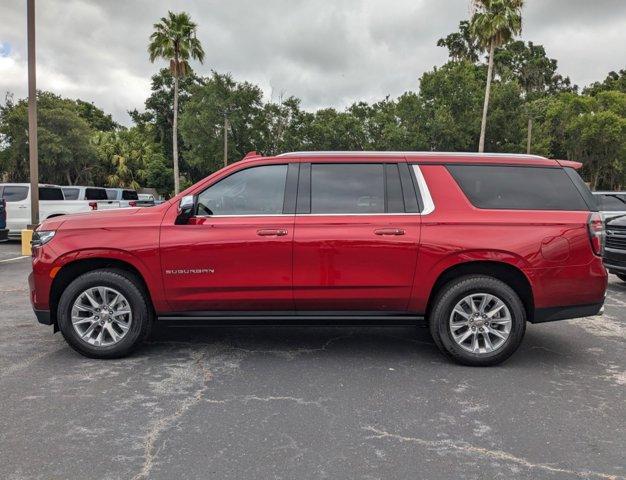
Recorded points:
326,53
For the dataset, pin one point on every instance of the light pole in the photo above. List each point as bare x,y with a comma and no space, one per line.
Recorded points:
32,117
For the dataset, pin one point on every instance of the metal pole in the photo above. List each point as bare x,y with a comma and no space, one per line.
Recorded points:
225,140
530,133
32,117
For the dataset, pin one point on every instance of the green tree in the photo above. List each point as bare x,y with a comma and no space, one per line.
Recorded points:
493,24
66,155
174,39
202,120
614,81
132,159
461,45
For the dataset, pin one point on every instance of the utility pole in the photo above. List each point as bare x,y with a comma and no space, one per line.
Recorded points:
225,139
530,132
32,116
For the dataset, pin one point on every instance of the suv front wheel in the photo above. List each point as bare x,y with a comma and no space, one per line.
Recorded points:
478,320
104,313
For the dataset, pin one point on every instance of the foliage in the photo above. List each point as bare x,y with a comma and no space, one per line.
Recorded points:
495,22
66,155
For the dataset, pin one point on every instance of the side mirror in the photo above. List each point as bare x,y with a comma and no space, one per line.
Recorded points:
186,209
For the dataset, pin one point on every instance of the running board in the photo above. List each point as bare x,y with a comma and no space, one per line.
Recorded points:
327,319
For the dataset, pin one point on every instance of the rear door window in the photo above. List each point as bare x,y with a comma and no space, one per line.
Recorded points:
12,193
95,194
71,193
518,188
347,188
50,193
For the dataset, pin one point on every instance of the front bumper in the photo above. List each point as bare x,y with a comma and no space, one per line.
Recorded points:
43,316
615,260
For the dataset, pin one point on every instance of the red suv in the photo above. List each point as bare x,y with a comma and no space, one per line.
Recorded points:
477,245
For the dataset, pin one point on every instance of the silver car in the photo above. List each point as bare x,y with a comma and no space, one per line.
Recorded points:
611,204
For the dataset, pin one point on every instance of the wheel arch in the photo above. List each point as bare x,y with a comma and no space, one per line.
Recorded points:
73,269
505,272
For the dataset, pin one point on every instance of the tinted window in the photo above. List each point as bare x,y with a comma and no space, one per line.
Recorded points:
71,193
95,194
612,202
518,188
129,195
347,188
14,194
50,193
111,194
254,191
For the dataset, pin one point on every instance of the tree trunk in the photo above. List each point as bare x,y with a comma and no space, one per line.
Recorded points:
530,134
225,140
175,134
483,125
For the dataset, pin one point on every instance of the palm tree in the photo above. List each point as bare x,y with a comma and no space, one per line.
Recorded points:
493,24
174,39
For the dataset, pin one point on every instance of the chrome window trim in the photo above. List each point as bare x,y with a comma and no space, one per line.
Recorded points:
429,206
427,199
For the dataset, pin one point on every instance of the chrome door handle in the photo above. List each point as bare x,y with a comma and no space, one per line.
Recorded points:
389,231
266,232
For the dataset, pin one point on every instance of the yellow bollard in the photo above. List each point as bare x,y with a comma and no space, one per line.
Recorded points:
27,236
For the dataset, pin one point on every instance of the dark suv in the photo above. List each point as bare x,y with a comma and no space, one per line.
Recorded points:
4,233
615,252
476,245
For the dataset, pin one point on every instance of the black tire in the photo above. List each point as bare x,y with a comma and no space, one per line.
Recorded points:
129,286
451,294
622,276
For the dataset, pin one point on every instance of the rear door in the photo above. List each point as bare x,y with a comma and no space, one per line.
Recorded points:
18,206
356,236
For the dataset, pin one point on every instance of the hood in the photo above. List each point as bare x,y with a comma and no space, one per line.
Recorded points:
96,218
617,221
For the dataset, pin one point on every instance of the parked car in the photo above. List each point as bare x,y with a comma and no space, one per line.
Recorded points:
97,195
611,204
145,200
615,251
126,196
4,232
52,203
476,245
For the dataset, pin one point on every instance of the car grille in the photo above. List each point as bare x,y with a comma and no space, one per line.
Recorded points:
616,237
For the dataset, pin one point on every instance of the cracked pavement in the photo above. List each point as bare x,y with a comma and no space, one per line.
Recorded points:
367,403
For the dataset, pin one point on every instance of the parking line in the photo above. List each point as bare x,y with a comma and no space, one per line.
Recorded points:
13,259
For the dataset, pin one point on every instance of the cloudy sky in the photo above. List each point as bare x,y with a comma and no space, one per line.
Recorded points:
328,53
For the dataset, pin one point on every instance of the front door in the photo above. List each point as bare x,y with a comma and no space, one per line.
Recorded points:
235,254
355,242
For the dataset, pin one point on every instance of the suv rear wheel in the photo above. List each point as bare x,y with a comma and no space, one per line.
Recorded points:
478,320
104,313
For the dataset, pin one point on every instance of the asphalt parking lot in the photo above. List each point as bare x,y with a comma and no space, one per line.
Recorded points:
309,403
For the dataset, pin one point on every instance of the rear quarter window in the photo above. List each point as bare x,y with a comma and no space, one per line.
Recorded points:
518,188
50,193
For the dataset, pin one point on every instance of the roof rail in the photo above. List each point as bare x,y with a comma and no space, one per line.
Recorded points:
397,153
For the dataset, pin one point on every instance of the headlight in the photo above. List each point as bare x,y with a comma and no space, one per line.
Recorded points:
41,237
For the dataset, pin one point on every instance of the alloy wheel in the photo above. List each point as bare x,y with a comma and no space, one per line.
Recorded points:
480,323
101,316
